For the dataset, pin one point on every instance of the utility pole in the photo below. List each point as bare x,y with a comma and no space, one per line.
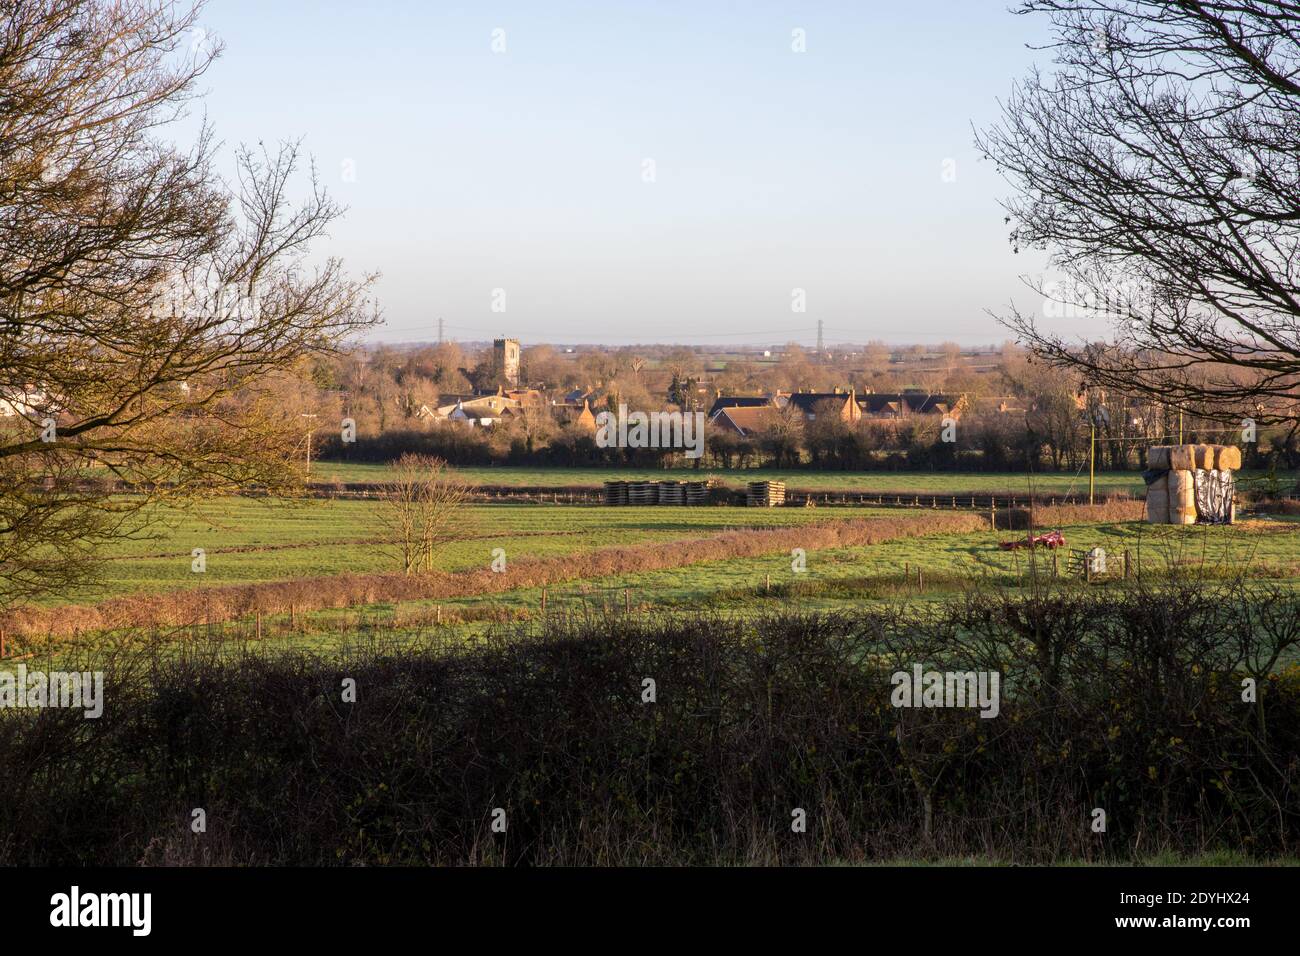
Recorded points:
310,429
820,344
1092,458
1180,426
439,330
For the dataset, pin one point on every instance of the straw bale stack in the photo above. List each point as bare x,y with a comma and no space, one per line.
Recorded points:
1171,496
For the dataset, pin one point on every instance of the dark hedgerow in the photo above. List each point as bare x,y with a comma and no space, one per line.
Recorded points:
1132,704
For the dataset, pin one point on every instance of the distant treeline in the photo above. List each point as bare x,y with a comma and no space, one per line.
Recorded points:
991,443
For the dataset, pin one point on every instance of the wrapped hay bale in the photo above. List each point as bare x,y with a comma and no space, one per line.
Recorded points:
1182,496
1158,501
1229,458
1182,457
1158,457
1205,456
1215,497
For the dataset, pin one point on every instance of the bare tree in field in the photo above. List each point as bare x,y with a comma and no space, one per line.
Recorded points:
423,510
1159,165
144,301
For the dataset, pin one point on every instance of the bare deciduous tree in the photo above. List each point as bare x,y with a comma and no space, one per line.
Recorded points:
423,510
141,296
1159,165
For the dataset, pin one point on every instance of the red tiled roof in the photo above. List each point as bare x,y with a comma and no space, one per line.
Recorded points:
747,419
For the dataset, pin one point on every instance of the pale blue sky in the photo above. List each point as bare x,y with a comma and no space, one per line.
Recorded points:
524,170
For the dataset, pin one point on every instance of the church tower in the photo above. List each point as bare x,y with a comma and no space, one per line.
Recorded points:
505,359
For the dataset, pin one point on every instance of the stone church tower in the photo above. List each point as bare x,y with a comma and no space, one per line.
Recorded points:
505,359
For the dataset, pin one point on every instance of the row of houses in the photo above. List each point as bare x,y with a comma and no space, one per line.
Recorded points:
743,415
740,414
491,408
747,415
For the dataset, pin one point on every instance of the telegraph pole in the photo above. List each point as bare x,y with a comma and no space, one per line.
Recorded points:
1092,458
310,429
820,345
439,330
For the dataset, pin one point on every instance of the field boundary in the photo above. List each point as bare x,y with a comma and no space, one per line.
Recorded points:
797,497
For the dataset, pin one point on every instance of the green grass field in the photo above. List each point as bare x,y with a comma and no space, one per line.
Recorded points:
249,539
837,578
866,481
840,579
257,540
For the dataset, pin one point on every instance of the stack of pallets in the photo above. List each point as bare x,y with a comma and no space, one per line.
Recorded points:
642,493
697,492
766,494
672,493
616,492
